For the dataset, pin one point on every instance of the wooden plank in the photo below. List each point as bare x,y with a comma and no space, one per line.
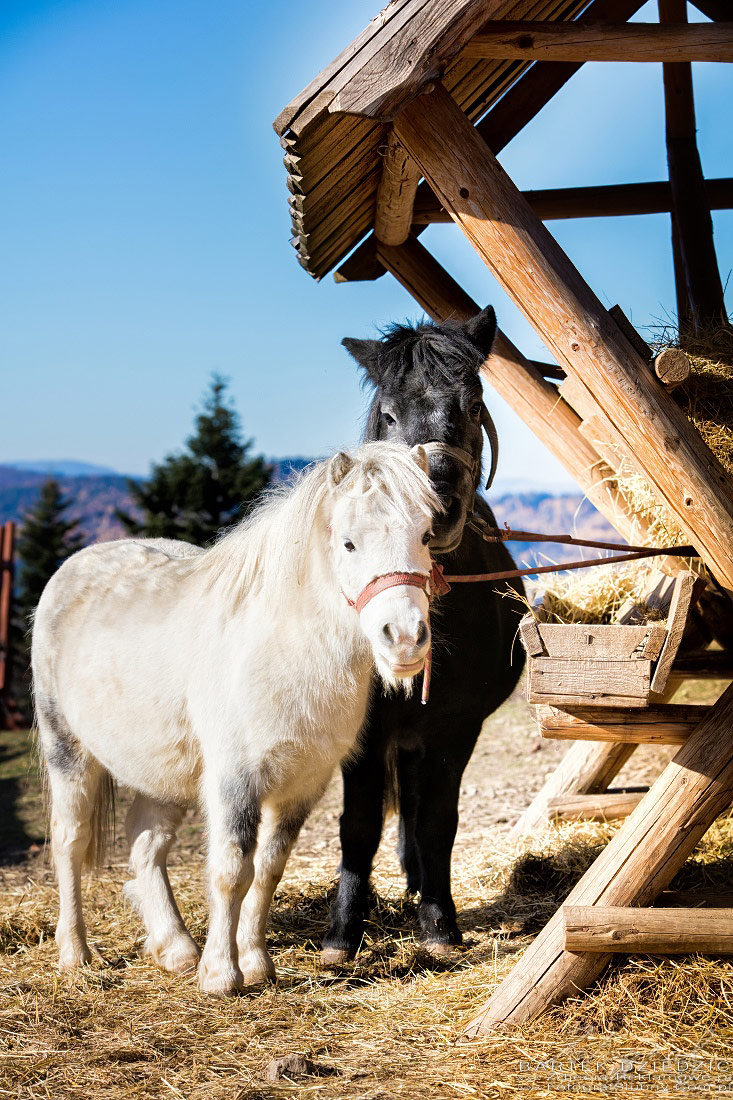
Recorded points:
691,209
635,339
687,588
550,41
581,640
648,931
586,768
611,806
530,635
543,283
637,864
595,681
396,194
657,724
600,201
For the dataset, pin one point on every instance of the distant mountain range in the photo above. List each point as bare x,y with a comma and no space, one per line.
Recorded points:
96,492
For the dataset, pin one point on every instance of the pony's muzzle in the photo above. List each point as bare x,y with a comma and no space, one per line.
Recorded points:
404,648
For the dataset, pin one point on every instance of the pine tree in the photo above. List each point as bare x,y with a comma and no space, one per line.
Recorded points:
210,485
47,538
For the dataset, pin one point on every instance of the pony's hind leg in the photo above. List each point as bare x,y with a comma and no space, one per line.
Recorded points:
75,780
151,829
278,832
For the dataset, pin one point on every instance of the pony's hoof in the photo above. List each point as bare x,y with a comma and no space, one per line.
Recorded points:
441,950
223,981
336,956
257,967
73,957
179,956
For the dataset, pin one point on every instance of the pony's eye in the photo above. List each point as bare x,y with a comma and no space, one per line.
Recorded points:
427,537
349,546
388,418
475,409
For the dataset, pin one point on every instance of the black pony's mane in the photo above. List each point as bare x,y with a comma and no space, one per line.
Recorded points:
440,353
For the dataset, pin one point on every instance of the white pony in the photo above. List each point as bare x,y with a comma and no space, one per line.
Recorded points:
236,676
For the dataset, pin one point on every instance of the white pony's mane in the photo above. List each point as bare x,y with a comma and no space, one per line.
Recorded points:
269,550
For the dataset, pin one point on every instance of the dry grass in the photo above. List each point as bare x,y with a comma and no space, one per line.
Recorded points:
389,1025
596,596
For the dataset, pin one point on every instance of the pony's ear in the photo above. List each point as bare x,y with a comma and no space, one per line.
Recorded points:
420,455
338,468
366,353
481,330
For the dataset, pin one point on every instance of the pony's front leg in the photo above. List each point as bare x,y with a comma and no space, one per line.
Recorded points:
233,812
278,832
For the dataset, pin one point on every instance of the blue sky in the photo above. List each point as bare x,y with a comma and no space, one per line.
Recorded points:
144,226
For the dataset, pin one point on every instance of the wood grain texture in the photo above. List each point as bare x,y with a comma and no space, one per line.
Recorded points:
545,41
637,864
600,682
672,366
657,931
396,194
543,283
586,768
611,806
600,201
581,640
687,589
657,724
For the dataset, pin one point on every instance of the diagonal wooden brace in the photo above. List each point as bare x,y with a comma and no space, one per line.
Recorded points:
639,862
544,284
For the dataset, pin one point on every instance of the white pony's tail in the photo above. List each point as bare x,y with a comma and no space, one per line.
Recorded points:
103,822
391,782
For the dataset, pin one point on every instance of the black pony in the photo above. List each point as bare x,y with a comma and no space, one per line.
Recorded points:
427,390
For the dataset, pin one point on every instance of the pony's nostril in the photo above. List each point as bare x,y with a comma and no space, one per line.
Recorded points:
422,633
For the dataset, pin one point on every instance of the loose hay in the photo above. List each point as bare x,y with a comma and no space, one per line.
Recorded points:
390,1024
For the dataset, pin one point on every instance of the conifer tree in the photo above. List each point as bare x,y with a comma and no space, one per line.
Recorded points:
46,539
210,485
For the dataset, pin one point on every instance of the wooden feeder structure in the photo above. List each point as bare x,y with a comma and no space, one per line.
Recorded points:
401,131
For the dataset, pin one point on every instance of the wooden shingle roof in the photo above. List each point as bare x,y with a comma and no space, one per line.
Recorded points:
334,132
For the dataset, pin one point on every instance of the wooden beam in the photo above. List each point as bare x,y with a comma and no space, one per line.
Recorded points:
602,201
396,194
575,41
661,724
648,931
636,865
611,806
586,768
691,209
543,283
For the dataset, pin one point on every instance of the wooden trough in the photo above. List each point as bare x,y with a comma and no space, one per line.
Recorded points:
606,665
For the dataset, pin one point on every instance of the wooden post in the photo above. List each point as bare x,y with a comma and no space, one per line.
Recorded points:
638,863
691,209
396,194
9,717
655,931
610,806
543,283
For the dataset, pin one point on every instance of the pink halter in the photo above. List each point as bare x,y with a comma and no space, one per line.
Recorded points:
433,584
